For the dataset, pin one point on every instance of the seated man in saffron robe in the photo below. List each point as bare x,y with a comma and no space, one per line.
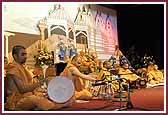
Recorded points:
155,76
72,72
105,75
126,73
20,87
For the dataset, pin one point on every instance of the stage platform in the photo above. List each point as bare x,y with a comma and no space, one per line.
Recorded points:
147,99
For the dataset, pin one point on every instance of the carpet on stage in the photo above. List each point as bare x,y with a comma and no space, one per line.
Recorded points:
147,99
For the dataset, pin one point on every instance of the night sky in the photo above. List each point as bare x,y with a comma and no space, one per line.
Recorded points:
142,26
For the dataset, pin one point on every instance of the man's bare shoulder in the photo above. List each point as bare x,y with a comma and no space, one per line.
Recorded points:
73,68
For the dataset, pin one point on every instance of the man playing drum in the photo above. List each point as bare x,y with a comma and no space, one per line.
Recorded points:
20,88
73,73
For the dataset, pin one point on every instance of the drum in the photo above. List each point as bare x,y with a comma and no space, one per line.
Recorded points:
60,89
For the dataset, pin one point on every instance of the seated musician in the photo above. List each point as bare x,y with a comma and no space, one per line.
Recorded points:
20,89
73,73
126,73
96,63
155,76
106,75
90,62
159,74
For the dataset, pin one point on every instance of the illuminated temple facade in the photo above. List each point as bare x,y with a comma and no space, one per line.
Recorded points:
90,27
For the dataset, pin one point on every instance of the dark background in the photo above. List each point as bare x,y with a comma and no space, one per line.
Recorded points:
141,26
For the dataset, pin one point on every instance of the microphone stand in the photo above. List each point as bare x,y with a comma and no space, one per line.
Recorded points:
129,103
120,96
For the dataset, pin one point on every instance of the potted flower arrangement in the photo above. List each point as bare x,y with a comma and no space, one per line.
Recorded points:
43,59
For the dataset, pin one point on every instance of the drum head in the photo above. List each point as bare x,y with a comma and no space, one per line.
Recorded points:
60,89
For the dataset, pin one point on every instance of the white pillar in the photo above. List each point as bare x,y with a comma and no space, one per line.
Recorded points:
42,33
6,44
7,34
42,26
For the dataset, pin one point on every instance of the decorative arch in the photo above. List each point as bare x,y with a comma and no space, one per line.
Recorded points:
58,30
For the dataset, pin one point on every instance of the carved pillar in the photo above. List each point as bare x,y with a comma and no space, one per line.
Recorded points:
7,34
42,26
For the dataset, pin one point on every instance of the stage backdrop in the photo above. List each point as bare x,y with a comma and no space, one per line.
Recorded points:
90,26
